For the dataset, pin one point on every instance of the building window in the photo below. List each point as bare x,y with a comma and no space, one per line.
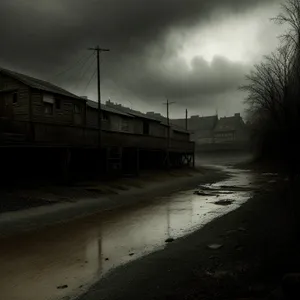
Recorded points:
146,128
48,104
77,109
105,116
125,125
57,104
15,98
48,108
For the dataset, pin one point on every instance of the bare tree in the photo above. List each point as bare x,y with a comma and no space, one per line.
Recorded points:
267,86
273,89
290,16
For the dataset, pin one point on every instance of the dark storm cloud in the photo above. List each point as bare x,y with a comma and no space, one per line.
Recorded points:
180,80
42,37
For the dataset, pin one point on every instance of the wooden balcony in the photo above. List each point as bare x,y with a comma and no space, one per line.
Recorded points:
18,133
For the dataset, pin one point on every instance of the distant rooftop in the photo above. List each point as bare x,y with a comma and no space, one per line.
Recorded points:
123,110
164,121
197,123
107,108
229,123
130,111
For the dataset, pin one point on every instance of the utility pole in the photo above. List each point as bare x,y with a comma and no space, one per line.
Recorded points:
98,51
186,119
168,123
168,105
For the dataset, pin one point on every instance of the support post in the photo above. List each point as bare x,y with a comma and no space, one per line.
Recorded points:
186,119
137,161
65,164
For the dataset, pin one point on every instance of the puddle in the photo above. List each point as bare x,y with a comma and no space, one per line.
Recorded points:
224,202
75,254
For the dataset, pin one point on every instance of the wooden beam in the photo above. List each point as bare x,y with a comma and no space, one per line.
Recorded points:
8,90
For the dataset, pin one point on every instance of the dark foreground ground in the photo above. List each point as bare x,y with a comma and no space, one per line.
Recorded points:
258,246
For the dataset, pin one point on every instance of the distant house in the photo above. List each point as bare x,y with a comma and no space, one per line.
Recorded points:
231,129
201,128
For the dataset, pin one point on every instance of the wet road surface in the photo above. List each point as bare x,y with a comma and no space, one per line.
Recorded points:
64,260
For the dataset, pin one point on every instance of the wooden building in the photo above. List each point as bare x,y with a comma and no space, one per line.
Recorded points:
231,130
23,98
36,113
201,128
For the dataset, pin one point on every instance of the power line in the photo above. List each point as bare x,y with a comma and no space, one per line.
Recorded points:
81,78
92,77
81,59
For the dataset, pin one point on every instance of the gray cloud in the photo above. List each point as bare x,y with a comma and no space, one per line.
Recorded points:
180,80
42,37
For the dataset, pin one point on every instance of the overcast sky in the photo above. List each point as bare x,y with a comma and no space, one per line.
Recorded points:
195,52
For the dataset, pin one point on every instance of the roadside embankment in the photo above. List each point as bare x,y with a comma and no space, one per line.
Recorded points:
24,210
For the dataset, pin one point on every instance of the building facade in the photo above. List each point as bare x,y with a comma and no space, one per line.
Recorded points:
201,128
231,130
36,112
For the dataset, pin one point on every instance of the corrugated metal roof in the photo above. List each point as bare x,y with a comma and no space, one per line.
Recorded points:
38,83
104,107
179,129
136,113
175,127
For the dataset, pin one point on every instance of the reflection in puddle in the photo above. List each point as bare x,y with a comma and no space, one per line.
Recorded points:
33,265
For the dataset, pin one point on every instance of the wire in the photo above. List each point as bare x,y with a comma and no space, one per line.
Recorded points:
81,78
92,77
81,59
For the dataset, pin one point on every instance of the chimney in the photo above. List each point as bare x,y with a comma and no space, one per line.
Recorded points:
109,103
237,115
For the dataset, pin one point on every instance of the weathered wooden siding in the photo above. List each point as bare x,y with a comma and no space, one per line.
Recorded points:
113,122
157,129
91,118
37,105
53,135
180,136
119,123
137,126
19,110
64,114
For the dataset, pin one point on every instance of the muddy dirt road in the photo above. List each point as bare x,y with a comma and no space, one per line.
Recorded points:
63,261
